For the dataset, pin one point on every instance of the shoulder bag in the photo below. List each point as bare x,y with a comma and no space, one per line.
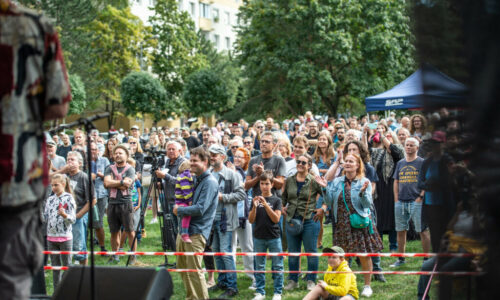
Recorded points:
355,219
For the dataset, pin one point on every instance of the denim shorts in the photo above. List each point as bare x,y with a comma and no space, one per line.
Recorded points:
404,211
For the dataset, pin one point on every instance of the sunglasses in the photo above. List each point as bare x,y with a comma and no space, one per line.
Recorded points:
265,142
234,147
133,143
260,127
301,162
247,143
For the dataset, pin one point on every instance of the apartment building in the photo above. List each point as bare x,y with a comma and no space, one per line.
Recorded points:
215,18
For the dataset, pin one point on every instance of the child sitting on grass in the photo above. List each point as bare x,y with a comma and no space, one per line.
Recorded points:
184,188
336,286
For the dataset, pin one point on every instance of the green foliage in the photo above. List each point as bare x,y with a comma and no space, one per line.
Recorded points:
78,95
176,55
321,55
119,37
142,93
205,93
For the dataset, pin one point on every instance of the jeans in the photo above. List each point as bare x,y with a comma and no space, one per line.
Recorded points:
274,245
222,243
245,238
309,238
393,239
445,282
80,237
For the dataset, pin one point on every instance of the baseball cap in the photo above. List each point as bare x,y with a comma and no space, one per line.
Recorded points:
334,249
217,149
135,127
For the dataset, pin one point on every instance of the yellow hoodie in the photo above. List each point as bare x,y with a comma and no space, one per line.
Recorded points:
343,283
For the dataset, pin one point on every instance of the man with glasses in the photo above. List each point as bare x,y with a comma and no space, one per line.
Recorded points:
266,161
169,174
312,136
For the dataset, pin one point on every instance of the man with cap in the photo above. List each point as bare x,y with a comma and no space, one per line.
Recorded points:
226,218
57,161
336,286
191,141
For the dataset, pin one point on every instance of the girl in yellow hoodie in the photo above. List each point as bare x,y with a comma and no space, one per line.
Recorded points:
336,286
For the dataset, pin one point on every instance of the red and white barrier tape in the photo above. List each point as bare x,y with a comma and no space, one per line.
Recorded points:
313,272
260,254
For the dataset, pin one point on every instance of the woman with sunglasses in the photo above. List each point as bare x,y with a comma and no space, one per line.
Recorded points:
299,203
385,152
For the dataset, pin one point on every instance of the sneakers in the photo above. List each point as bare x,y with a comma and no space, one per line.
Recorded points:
185,238
253,287
310,285
277,297
113,259
259,296
398,263
291,285
367,291
153,221
229,293
379,277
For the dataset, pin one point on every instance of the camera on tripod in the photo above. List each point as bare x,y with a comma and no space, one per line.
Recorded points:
156,158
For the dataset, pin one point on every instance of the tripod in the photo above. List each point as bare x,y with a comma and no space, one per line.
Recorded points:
167,231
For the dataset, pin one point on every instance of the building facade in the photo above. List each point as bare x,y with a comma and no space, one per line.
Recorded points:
217,19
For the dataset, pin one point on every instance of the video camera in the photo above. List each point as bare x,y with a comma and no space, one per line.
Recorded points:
156,158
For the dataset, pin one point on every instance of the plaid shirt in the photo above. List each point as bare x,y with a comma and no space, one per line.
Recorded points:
32,79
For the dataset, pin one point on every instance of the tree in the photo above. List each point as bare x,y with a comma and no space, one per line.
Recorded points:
119,39
78,95
205,93
142,93
176,55
322,54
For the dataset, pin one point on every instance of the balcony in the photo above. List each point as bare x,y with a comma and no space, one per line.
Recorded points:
205,24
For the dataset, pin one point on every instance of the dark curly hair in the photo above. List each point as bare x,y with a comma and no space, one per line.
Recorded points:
363,152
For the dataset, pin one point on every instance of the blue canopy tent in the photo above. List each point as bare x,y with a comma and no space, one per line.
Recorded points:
426,87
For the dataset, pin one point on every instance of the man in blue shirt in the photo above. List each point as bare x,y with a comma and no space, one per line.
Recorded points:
202,213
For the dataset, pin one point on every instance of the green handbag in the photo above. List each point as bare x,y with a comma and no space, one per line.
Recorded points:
355,219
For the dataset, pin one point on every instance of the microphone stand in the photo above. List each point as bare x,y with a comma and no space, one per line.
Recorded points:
87,123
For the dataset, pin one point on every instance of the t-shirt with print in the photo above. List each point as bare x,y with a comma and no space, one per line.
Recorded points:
265,228
120,199
275,163
80,185
407,175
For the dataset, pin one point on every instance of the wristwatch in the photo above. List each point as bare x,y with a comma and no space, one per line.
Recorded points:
121,182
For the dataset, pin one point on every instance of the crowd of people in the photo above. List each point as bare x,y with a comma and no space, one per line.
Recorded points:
266,187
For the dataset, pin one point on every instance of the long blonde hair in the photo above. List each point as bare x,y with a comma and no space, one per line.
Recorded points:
330,151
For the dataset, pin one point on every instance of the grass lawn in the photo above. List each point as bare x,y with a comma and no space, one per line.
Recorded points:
397,286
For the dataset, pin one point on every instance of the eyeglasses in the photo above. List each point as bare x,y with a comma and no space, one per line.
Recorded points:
133,143
234,147
265,141
301,162
247,143
260,127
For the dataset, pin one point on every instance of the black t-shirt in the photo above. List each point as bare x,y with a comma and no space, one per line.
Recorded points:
80,185
275,163
63,151
265,228
192,142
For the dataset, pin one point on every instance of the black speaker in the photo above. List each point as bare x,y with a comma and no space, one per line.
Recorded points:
115,283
